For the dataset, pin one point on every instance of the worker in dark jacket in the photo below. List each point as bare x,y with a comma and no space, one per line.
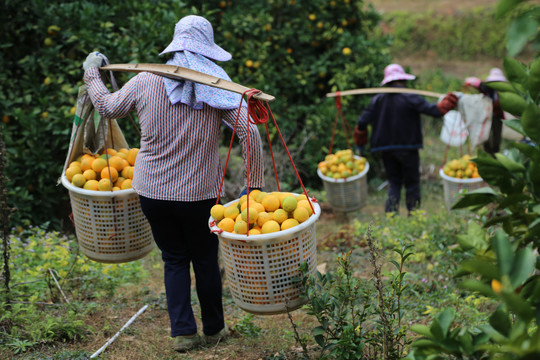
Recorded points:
397,134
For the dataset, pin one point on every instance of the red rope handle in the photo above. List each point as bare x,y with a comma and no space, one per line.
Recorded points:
258,113
346,128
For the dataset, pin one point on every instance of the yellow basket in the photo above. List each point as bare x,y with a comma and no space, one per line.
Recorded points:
453,187
348,194
261,269
110,226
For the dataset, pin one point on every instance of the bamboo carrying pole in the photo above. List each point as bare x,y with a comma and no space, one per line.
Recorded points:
119,332
384,90
182,73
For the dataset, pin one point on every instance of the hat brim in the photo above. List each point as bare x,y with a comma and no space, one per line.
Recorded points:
214,52
397,77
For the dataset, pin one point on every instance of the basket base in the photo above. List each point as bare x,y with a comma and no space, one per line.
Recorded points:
115,259
274,309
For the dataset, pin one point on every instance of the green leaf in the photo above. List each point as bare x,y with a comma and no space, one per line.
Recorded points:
445,320
473,199
529,150
436,330
514,124
474,239
512,103
500,321
501,86
515,71
518,305
520,31
422,330
505,6
523,266
482,267
530,120
533,83
510,165
504,252
478,286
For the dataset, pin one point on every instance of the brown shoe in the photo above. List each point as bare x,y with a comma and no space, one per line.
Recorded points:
184,343
218,337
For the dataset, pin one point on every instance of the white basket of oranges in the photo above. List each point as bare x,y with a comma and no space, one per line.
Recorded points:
262,266
344,179
458,175
109,222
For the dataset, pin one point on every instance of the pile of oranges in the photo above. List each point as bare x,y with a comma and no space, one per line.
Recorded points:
462,168
268,213
342,164
110,171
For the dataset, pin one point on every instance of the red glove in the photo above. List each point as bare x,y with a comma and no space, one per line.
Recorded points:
448,103
360,136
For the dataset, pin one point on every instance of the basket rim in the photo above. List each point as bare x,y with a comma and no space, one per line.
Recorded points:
457,180
265,237
68,185
349,179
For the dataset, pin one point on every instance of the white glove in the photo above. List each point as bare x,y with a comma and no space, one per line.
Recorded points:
95,59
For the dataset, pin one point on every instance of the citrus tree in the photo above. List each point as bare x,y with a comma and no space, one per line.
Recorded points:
296,50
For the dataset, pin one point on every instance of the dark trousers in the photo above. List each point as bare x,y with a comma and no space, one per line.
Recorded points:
402,169
182,234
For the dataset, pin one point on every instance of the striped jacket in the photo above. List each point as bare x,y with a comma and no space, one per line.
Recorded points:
179,157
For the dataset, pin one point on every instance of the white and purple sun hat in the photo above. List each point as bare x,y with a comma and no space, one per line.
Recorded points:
495,74
395,72
195,34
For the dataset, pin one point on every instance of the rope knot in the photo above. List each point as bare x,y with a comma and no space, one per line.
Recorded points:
256,109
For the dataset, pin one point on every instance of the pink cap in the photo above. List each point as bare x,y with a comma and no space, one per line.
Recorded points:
495,74
395,72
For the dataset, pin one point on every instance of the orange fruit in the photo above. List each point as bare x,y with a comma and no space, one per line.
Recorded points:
118,182
301,214
241,227
226,224
75,163
496,285
109,173
263,217
99,164
270,203
127,172
78,180
123,151
289,203
280,216
116,162
110,151
255,231
91,185
270,226
122,155
217,212
86,162
307,205
289,223
126,184
132,155
105,185
231,211
72,171
90,174
253,214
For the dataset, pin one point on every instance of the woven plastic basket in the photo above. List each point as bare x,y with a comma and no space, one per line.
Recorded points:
453,187
348,194
261,269
110,226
